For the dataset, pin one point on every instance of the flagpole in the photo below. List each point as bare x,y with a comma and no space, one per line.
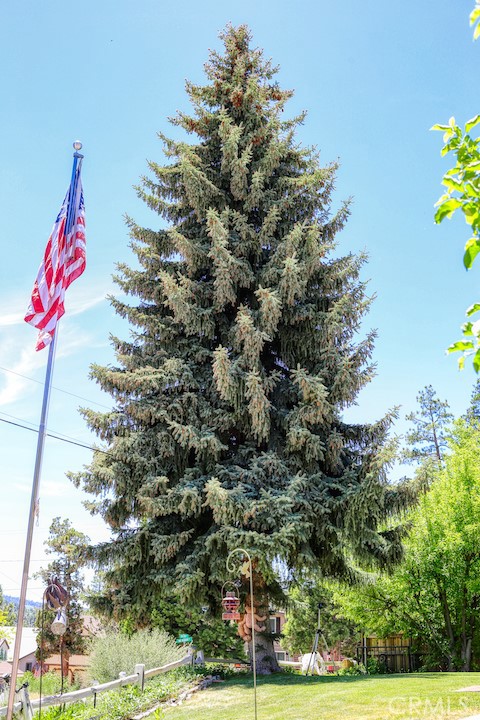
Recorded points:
37,472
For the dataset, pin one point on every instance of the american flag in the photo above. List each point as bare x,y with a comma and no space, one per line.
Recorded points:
63,262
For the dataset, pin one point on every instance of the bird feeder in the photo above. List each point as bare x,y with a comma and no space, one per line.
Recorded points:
230,604
56,595
59,625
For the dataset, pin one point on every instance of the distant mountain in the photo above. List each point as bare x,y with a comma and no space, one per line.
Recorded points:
16,600
31,609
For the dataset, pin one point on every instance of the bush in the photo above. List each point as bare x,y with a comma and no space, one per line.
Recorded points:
224,670
51,683
354,670
122,704
215,637
291,670
115,652
78,711
376,666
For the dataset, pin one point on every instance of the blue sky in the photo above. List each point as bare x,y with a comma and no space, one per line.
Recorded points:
374,77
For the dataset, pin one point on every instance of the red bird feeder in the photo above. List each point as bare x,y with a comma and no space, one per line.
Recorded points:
230,604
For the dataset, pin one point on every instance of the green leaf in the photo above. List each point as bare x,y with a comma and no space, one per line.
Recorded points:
475,15
471,190
471,123
461,362
446,209
442,199
452,184
476,32
472,248
476,330
467,329
460,346
452,122
442,128
472,309
471,214
476,361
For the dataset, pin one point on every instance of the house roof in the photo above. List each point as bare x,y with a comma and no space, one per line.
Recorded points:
28,644
5,668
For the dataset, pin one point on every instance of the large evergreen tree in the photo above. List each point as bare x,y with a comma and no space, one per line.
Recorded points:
227,429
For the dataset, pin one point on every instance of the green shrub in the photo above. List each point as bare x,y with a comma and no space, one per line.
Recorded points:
223,670
291,670
127,701
117,652
51,683
215,637
354,670
376,666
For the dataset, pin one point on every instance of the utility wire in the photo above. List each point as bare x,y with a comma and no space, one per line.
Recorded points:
56,437
35,427
65,392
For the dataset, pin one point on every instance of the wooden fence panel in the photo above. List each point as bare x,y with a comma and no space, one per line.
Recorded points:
137,678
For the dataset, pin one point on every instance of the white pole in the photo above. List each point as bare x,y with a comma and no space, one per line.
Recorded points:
38,461
31,520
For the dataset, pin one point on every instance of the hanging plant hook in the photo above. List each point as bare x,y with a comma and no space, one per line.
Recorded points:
247,571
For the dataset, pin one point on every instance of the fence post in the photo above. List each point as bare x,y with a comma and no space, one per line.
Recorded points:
200,658
140,670
191,654
25,700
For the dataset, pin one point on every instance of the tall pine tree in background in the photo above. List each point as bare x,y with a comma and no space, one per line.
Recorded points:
227,429
428,438
472,415
68,547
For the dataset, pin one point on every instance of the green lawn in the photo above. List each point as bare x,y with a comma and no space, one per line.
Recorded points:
425,696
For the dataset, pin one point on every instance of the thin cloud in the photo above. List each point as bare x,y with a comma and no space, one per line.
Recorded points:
79,299
11,319
27,363
21,359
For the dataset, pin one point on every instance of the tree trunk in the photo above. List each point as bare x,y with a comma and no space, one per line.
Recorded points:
467,655
452,655
468,641
266,659
435,441
64,662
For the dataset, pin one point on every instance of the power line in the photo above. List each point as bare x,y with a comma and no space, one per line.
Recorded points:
58,435
65,392
27,422
55,436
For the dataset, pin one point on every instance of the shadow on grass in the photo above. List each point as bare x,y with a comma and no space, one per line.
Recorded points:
288,679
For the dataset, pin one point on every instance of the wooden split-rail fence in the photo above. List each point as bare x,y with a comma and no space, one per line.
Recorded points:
27,707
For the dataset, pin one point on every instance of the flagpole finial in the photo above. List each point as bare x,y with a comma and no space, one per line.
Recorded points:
77,145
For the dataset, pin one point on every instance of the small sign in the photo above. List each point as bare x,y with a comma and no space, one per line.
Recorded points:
231,616
184,638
